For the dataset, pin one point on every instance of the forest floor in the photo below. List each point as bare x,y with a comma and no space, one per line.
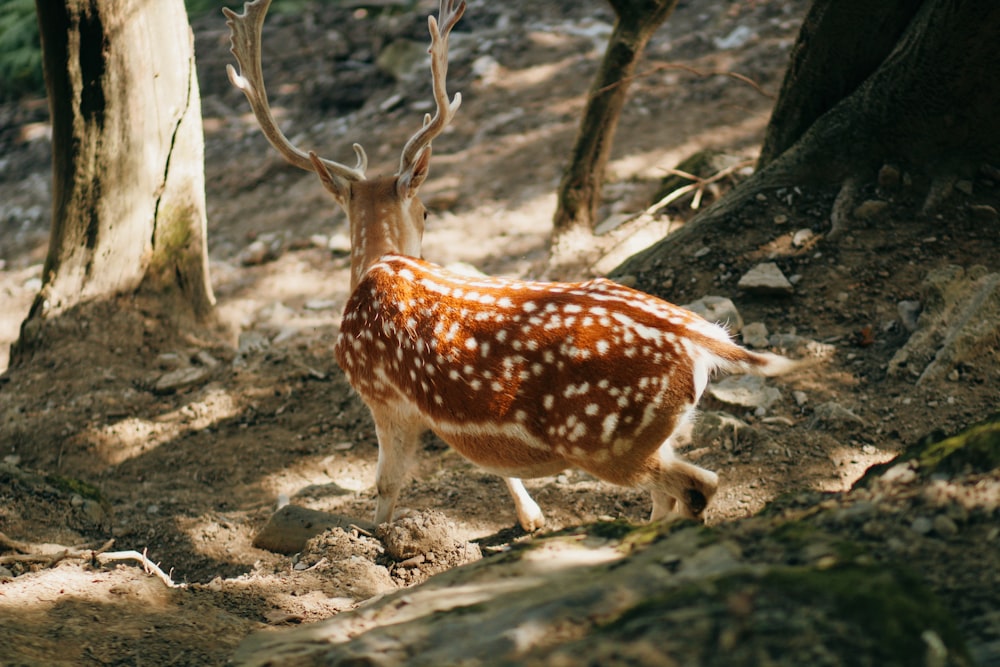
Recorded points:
92,448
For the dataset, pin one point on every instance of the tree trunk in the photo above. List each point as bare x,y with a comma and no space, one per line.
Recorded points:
128,210
580,189
921,95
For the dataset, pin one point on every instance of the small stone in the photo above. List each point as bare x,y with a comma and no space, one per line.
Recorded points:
954,375
944,526
626,281
922,525
964,186
701,252
320,304
802,237
339,244
755,335
206,359
169,360
780,219
265,249
889,177
5,573
748,391
870,208
801,398
718,309
765,278
834,414
181,378
909,313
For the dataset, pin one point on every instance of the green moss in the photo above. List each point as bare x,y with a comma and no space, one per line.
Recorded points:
795,534
892,607
977,447
77,486
850,614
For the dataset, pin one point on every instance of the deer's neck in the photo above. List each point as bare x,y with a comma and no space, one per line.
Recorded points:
380,225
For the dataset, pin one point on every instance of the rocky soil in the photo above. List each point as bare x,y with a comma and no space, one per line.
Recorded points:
238,460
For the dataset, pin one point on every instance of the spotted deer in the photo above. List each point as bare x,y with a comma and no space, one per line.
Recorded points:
523,378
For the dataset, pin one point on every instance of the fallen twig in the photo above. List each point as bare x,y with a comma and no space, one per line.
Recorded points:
100,555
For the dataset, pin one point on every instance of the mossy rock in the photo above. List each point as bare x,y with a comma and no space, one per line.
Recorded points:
974,449
848,615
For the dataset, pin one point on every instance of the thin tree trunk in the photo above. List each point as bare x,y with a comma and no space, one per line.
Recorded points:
580,190
128,207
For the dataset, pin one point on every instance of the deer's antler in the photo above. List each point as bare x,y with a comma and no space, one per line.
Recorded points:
449,14
245,36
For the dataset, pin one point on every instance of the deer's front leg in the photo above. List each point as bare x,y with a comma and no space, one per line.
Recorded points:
529,514
397,443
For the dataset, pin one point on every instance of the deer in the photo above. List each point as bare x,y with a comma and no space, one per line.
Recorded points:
523,378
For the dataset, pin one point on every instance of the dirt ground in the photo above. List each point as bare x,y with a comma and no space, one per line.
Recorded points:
92,448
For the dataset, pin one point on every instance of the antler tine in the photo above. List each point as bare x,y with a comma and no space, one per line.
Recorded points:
245,31
449,14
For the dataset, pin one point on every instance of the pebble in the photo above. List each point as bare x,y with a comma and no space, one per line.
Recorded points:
748,391
888,176
181,378
833,413
755,335
265,249
922,525
718,309
909,313
944,526
870,208
802,237
765,278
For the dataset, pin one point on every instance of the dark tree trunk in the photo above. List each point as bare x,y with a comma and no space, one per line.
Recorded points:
908,83
128,208
580,189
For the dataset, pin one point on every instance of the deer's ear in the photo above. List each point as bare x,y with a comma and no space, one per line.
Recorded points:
411,179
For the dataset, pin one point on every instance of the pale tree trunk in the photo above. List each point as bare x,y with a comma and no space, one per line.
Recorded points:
128,210
579,192
907,83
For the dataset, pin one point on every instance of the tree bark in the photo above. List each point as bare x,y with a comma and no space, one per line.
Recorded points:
128,210
928,104
580,189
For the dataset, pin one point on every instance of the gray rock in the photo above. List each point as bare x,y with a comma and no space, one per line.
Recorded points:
755,334
765,278
909,313
748,391
718,309
945,526
832,413
181,379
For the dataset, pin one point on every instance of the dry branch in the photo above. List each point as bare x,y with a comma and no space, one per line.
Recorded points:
36,553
